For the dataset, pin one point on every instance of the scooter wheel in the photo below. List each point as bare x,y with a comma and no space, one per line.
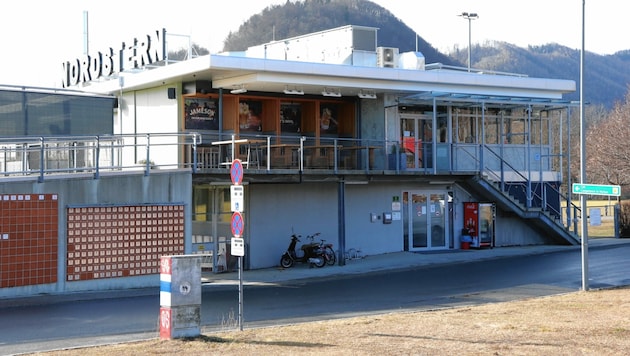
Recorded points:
321,261
286,262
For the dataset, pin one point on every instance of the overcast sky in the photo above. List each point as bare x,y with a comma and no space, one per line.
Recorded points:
38,35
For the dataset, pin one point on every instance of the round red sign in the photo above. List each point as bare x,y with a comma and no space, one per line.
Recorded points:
236,171
238,224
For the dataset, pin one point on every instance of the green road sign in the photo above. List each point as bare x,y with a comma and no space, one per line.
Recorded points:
596,189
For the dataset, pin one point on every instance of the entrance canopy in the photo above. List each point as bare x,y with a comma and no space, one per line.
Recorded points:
476,100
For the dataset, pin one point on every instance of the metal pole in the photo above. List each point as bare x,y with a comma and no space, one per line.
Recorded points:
469,40
583,227
341,222
469,16
240,293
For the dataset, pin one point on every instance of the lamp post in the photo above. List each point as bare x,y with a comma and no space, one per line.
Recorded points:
469,16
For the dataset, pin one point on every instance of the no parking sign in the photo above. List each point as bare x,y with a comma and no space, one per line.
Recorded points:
236,171
237,224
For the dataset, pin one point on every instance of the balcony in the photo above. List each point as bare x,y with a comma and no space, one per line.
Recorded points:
263,156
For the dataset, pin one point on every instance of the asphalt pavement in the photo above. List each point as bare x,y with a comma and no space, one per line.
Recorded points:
363,264
356,266
390,261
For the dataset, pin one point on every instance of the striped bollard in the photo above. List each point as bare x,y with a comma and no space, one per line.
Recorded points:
180,296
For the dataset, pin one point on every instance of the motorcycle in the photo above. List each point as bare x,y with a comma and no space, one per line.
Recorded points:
313,253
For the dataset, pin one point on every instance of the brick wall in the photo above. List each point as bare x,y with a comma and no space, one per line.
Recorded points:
28,239
122,241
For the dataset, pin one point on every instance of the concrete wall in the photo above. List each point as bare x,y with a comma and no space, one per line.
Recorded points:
150,111
512,231
276,211
166,187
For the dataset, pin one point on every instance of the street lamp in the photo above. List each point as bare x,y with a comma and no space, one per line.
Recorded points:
469,16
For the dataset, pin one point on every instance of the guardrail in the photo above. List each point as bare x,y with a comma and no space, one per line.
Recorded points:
299,153
46,156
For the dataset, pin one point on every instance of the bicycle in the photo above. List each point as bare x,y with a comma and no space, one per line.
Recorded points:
329,253
353,254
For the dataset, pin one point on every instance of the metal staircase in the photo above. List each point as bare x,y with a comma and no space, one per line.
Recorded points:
542,219
521,199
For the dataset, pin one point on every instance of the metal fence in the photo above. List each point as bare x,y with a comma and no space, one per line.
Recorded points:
47,156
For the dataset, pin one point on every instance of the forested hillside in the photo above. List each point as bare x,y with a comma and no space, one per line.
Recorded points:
299,18
606,77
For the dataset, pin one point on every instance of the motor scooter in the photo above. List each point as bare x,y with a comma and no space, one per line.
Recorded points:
308,253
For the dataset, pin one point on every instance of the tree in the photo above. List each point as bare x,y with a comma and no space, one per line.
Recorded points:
182,53
608,147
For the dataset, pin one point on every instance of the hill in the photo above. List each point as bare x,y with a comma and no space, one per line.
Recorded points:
606,77
303,17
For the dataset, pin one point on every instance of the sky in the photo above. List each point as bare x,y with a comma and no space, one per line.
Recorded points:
36,36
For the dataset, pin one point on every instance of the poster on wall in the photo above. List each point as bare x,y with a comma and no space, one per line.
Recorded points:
201,114
250,115
328,119
290,117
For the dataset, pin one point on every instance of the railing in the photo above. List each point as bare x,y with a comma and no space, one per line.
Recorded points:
300,153
520,186
47,156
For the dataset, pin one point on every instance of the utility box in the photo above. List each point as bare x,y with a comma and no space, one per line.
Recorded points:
180,296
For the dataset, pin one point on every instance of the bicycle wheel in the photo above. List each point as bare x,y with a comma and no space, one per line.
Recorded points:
331,256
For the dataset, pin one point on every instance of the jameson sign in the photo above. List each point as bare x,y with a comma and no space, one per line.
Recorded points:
201,114
134,54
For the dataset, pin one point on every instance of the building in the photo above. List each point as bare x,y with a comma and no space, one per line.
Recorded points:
375,149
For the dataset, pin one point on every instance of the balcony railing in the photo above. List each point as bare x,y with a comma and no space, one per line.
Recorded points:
299,153
46,156
43,157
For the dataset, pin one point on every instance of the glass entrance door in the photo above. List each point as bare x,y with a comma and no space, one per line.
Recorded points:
425,220
211,229
417,140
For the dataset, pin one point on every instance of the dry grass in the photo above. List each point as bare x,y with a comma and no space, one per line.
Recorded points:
581,323
607,228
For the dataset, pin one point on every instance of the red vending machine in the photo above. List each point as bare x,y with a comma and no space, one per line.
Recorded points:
479,221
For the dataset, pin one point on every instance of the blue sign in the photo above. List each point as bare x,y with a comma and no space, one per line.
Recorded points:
597,189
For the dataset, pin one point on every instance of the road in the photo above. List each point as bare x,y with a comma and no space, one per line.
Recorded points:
74,323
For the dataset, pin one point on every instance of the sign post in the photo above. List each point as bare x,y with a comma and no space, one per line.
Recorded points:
589,189
237,203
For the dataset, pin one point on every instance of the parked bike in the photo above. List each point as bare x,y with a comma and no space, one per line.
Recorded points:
312,252
329,253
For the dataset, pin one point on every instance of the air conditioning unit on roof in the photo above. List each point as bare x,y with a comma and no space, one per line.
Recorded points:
386,57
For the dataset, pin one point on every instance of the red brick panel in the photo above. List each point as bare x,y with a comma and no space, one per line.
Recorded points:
28,239
122,241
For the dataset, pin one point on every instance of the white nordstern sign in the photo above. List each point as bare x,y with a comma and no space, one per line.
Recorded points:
134,54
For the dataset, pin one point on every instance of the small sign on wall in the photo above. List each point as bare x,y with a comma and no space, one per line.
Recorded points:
396,206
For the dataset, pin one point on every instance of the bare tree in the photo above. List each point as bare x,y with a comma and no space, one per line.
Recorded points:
608,147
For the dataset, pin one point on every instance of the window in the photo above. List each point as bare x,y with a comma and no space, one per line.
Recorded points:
290,117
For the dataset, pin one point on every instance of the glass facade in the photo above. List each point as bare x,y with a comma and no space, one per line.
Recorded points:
35,113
